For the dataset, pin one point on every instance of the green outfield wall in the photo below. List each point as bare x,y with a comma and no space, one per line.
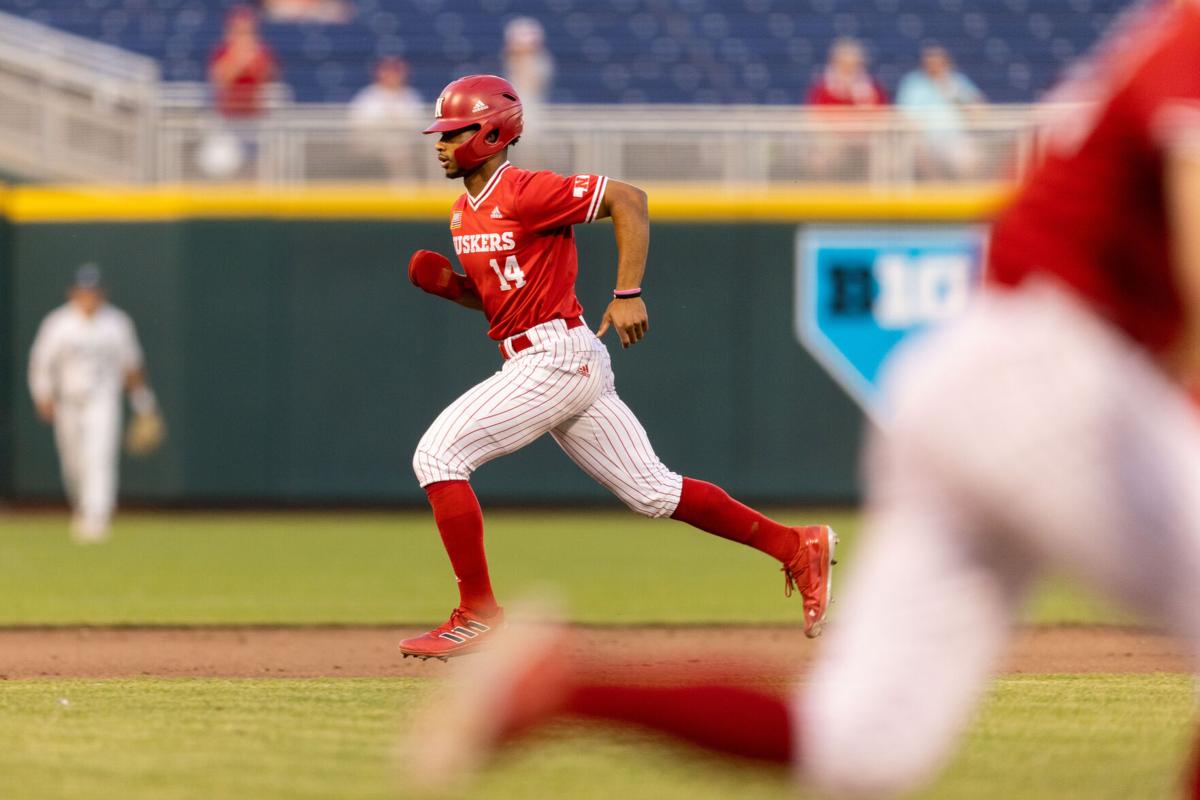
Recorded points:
7,366
295,363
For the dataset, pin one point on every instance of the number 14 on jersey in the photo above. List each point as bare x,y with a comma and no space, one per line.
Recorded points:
511,276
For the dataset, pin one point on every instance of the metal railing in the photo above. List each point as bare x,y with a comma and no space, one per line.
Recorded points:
75,109
725,145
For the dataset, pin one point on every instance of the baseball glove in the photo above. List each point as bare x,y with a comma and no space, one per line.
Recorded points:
144,434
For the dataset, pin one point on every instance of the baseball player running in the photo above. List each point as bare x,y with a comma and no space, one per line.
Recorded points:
512,232
1048,429
85,352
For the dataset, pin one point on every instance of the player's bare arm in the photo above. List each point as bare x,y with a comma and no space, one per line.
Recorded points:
469,298
41,381
141,396
627,207
134,379
1183,195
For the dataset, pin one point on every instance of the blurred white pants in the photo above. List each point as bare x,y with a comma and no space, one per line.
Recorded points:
1028,437
87,433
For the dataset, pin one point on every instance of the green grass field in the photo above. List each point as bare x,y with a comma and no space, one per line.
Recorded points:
1038,736
613,567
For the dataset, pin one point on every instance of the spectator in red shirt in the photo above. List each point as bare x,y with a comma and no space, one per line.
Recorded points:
845,81
240,66
844,87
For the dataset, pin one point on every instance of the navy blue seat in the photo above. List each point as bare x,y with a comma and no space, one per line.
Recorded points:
676,51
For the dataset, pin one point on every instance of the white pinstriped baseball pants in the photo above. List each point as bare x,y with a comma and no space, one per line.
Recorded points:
562,385
1028,437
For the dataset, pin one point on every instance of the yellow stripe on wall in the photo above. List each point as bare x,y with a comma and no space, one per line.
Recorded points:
135,204
47,204
826,203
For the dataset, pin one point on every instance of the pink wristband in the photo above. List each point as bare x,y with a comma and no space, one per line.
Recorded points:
625,294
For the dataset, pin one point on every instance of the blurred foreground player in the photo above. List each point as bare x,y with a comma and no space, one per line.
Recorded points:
1047,430
512,231
84,353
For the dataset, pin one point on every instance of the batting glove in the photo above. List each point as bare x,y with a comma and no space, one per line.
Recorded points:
432,273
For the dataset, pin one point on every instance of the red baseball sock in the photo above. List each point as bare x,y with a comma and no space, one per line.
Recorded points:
710,509
460,522
727,719
1191,778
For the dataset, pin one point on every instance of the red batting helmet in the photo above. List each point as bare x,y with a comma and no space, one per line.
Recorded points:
486,101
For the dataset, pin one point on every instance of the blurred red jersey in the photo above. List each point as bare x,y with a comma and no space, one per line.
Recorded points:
516,244
242,97
1093,215
862,91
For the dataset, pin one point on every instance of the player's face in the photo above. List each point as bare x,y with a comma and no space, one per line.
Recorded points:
446,145
87,300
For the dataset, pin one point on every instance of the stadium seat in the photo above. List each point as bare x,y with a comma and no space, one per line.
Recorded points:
755,51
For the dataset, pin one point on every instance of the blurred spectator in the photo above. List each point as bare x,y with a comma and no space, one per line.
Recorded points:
528,66
240,66
845,87
933,96
323,11
845,80
382,112
389,99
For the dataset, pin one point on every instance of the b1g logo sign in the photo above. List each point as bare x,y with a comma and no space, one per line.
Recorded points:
860,291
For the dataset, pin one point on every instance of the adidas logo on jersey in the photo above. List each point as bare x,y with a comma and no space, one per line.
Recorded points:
496,213
479,106
584,371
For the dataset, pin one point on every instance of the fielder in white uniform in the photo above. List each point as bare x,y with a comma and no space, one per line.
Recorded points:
85,353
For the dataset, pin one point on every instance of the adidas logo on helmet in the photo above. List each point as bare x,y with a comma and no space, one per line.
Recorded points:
479,106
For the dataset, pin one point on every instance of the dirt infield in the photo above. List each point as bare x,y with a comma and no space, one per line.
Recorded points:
371,651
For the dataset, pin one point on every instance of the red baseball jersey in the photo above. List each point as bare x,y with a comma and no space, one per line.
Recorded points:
1093,215
516,244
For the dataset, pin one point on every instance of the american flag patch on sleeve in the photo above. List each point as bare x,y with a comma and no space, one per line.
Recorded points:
456,220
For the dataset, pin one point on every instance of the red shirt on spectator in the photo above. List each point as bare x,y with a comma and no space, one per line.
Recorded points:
834,90
241,94
240,66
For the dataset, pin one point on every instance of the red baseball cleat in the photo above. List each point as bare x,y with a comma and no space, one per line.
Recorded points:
464,632
522,680
811,572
